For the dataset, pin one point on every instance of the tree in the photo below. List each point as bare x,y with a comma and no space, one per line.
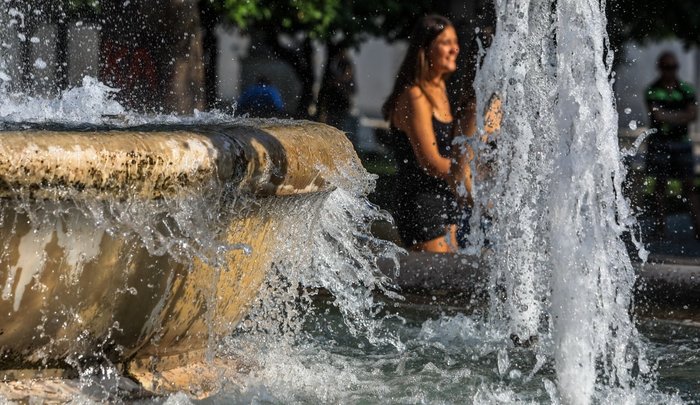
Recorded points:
288,27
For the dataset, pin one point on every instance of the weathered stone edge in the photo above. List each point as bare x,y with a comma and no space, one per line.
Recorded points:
258,158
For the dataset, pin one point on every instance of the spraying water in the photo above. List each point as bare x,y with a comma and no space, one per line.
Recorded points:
319,241
559,268
557,205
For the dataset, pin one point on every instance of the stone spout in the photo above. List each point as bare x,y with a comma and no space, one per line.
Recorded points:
75,283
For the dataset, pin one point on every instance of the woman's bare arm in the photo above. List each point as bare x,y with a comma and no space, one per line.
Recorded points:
419,127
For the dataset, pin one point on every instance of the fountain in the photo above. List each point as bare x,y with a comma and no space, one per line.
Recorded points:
557,229
195,253
124,214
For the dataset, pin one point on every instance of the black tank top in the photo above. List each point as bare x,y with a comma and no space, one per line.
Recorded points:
412,177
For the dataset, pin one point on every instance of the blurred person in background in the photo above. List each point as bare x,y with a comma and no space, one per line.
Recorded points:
338,89
671,105
421,132
261,100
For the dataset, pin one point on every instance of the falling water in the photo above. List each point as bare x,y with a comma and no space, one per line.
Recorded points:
560,272
557,209
323,242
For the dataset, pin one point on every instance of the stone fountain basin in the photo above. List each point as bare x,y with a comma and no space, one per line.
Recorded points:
666,286
128,305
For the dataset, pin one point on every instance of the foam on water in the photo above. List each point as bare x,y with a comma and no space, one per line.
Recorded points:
446,359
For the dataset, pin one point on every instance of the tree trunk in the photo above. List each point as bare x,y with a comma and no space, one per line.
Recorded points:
26,31
209,18
61,54
300,59
337,87
305,71
185,59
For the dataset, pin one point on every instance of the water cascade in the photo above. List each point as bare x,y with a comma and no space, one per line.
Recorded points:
556,205
179,229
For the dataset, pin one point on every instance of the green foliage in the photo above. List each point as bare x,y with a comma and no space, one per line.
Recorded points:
82,8
348,22
345,22
312,16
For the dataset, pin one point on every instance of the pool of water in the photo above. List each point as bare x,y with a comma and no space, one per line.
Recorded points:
446,358
675,348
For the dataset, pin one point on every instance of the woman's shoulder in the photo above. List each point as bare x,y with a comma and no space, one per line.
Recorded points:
412,102
414,92
415,97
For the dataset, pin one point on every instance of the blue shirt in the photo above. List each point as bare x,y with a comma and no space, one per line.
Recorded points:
260,100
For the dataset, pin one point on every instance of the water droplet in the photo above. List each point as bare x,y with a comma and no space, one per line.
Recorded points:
633,125
628,110
40,63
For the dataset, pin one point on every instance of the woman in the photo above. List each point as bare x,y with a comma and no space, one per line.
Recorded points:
420,120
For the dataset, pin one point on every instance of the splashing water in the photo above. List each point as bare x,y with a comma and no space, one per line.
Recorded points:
323,242
90,103
559,268
338,255
557,207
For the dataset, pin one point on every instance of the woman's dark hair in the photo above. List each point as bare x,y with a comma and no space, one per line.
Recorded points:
414,68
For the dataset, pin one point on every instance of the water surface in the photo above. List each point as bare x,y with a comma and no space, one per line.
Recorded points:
448,358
